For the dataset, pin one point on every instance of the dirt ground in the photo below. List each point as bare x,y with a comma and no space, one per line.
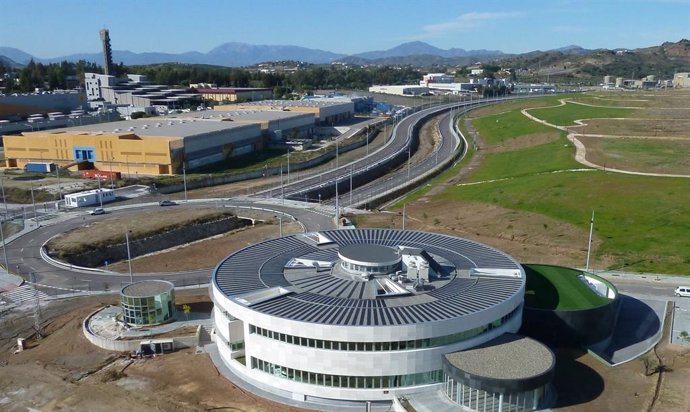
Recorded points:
65,372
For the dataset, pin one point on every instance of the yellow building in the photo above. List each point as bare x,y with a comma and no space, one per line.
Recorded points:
135,147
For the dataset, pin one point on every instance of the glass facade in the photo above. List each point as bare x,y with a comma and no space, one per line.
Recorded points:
382,346
347,381
482,401
148,310
351,267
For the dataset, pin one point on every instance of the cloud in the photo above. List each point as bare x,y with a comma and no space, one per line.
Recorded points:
464,22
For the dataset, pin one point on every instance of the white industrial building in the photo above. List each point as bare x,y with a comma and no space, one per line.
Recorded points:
275,124
375,314
90,198
400,90
326,111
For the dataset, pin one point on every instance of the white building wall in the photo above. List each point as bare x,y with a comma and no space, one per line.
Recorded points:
352,363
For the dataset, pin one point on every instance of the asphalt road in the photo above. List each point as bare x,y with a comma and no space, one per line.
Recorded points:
24,252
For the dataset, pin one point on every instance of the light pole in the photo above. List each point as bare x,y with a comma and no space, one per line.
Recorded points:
282,192
288,165
280,225
100,194
184,181
112,186
33,202
2,186
350,205
589,244
409,149
57,172
4,247
129,257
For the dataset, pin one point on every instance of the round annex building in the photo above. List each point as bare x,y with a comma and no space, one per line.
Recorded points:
148,302
361,314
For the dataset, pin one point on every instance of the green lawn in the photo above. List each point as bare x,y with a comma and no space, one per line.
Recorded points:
567,114
556,287
649,155
507,125
643,221
557,155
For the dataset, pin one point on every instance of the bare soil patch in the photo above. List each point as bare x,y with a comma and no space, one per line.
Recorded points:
66,372
113,229
528,237
205,253
523,142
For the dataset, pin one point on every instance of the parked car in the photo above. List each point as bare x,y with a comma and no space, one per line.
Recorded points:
683,291
166,203
97,211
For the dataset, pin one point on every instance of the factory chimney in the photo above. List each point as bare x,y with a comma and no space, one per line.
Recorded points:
107,52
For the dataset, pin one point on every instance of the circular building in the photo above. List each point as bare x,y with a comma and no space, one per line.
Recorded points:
509,373
294,317
568,307
148,302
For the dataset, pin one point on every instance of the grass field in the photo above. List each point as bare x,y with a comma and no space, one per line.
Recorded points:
558,288
646,155
507,125
567,114
642,222
557,155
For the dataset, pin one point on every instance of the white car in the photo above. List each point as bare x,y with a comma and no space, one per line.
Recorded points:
97,211
683,291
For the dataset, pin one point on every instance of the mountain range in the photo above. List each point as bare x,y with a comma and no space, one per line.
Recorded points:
235,54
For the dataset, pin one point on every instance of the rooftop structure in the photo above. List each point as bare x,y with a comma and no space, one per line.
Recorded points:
378,308
325,111
145,146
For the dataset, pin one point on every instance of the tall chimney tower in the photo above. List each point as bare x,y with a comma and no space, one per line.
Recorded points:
107,52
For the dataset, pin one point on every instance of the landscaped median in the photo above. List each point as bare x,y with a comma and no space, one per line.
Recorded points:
150,231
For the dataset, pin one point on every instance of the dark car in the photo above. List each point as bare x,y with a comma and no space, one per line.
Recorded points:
166,203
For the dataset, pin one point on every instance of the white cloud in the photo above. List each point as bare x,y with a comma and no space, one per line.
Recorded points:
463,22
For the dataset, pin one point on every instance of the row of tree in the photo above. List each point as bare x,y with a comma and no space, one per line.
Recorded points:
62,75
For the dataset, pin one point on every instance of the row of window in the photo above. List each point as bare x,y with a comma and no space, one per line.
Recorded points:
345,381
381,346
481,401
370,269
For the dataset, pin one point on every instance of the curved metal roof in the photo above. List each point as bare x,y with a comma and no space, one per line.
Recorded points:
319,296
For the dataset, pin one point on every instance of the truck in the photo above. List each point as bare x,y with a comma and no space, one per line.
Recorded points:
101,175
40,167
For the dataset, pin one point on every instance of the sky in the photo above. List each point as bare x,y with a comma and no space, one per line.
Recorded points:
51,28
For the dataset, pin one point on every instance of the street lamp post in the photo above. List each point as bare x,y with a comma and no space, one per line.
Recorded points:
129,257
4,248
288,165
2,186
184,181
100,193
589,244
33,202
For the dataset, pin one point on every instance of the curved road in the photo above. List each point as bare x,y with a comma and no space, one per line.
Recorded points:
24,256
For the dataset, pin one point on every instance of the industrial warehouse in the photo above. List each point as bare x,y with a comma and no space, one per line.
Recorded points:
375,314
166,145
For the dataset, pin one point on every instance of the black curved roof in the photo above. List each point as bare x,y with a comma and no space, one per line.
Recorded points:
367,252
328,299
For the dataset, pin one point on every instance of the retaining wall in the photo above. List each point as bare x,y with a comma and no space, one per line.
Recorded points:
138,247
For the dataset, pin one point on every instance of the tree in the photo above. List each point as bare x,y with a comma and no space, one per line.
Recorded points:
186,309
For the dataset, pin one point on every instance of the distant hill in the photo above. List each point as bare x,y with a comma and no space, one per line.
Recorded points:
563,64
228,54
7,62
417,48
18,56
662,61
